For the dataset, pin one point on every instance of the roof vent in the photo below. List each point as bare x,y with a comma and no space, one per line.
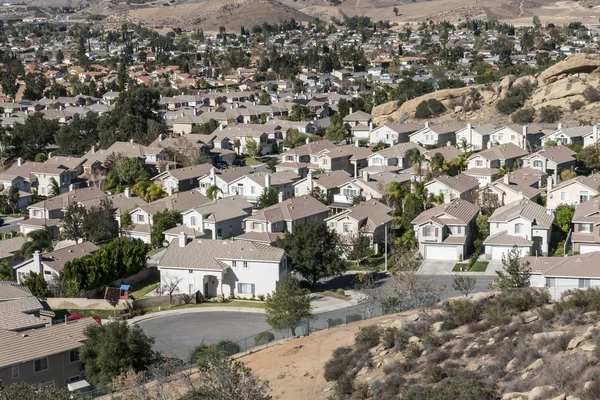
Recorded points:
24,335
578,260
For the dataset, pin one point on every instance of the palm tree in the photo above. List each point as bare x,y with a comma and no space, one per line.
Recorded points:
395,193
420,192
503,170
213,192
415,158
435,198
461,162
464,146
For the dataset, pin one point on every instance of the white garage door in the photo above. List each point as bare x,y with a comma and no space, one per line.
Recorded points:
441,253
498,251
588,248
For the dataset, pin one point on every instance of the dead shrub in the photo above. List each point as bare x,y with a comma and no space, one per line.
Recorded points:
438,356
388,337
561,372
367,336
389,388
555,344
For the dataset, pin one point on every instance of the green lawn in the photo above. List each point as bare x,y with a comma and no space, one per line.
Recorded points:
253,161
103,314
458,266
144,287
479,266
233,303
154,251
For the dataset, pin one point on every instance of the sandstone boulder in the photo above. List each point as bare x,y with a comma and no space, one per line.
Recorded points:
535,365
574,342
538,392
577,63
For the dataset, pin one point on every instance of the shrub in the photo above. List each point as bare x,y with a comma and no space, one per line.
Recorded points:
337,365
361,391
456,389
344,386
368,336
549,114
404,367
515,98
389,388
264,338
523,116
591,94
304,284
461,312
422,110
353,318
556,344
438,356
413,351
429,108
332,322
592,392
577,105
562,372
341,292
388,337
228,347
430,340
545,313
434,373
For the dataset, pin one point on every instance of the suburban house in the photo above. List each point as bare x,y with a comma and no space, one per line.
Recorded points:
507,190
477,136
219,268
529,176
301,158
434,135
393,134
217,220
369,218
551,160
445,232
20,309
251,186
526,136
28,175
561,274
497,156
460,186
485,176
244,134
271,223
181,179
586,227
8,248
329,183
43,356
393,158
524,224
568,136
371,186
574,191
50,264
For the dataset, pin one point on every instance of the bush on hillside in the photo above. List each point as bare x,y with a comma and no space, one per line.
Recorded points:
523,116
549,114
429,108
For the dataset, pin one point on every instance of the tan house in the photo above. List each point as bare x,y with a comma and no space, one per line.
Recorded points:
586,227
574,191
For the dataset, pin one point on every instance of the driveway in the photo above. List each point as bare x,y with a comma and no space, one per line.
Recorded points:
436,267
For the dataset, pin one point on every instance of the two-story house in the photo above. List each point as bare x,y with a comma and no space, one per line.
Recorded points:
552,160
568,136
392,159
270,223
181,179
503,155
369,218
586,227
251,186
393,134
221,179
217,220
301,158
476,136
524,224
507,190
219,268
526,137
436,135
460,186
370,186
329,183
574,191
445,232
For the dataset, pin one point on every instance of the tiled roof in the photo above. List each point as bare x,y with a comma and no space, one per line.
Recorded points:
262,237
580,266
503,238
459,209
330,180
16,314
558,154
398,150
523,208
231,174
591,182
461,182
10,290
224,209
374,214
56,259
194,171
526,190
448,152
62,201
9,246
291,210
587,212
311,148
502,152
180,201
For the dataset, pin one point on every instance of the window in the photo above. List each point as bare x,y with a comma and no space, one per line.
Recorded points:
245,264
234,264
190,271
325,161
518,228
245,288
47,272
289,158
500,137
73,356
193,221
429,231
585,283
347,228
538,164
257,226
74,378
550,282
512,138
190,288
584,196
479,163
564,196
283,266
140,218
586,228
349,192
15,371
429,138
252,189
377,161
40,365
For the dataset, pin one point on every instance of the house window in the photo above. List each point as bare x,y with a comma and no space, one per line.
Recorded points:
252,189
40,365
347,228
377,161
429,138
245,264
349,192
550,282
500,137
430,231
518,228
586,228
73,356
289,158
479,163
190,271
193,221
74,378
140,218
325,161
15,371
537,164
585,283
234,264
564,196
257,226
245,288
584,196
512,138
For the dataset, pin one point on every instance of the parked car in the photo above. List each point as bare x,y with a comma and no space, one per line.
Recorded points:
221,165
239,162
74,317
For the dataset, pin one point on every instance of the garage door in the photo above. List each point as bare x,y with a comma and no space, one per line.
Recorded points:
499,251
588,248
441,253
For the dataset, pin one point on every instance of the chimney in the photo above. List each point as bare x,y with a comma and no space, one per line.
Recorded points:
213,176
131,140
127,192
71,187
490,144
20,161
506,178
160,138
182,239
49,155
280,197
310,181
366,175
221,126
549,185
595,133
559,126
426,124
268,118
307,140
37,262
370,126
195,112
268,181
357,143
350,111
93,149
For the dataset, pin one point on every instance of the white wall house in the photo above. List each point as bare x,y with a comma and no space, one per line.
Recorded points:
478,137
217,268
574,191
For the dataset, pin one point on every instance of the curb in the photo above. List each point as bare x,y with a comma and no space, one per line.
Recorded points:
168,312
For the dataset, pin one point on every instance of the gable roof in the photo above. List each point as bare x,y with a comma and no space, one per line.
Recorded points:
180,201
501,152
558,154
588,211
181,174
291,209
372,213
311,148
224,209
330,180
62,201
458,211
502,238
461,182
526,209
56,259
580,266
398,150
516,187
591,182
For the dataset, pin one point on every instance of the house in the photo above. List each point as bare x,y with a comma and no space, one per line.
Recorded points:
329,183
220,268
453,187
445,232
370,186
574,191
271,223
551,160
568,136
507,190
436,135
529,176
476,136
561,274
357,118
485,176
393,134
524,224
394,156
51,264
20,309
301,158
45,355
526,137
251,186
499,156
28,175
586,227
181,179
369,218
217,220
8,248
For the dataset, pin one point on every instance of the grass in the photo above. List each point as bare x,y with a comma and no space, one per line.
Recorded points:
375,263
103,314
154,251
144,287
253,161
479,266
233,303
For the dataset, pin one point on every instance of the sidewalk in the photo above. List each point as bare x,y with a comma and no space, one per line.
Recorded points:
444,267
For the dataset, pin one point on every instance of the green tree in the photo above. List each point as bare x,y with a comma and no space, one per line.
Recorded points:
294,138
413,206
53,188
271,164
515,273
206,128
37,285
100,224
268,197
564,215
314,251
163,221
252,147
35,83
59,56
523,116
40,239
288,306
300,113
5,271
113,349
25,391
320,195
12,197
590,156
336,132
130,170
21,143
126,220
549,114
73,222
8,81
213,192
78,136
41,157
